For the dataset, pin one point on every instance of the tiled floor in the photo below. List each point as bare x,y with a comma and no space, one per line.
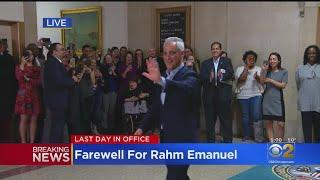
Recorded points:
135,172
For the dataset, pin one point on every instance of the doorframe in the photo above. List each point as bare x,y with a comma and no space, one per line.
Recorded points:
318,28
17,36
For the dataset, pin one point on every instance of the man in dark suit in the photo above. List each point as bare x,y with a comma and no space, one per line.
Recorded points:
56,85
176,101
216,75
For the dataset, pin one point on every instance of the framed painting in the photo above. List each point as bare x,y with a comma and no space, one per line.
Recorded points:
86,28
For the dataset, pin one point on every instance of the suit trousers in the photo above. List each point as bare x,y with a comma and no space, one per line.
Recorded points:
176,171
109,107
220,106
58,120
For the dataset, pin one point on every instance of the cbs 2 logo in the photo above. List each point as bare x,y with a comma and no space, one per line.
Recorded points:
281,150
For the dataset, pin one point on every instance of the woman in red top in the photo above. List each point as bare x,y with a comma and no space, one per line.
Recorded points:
27,100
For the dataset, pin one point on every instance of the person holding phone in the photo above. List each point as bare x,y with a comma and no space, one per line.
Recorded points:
190,60
273,103
249,96
126,71
27,100
56,91
71,53
43,46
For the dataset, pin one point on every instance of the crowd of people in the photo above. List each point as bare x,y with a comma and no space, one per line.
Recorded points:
98,93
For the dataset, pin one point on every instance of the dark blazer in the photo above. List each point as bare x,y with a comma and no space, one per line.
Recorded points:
179,115
56,84
224,87
8,90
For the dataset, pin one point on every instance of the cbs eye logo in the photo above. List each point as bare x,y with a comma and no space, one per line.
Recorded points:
281,150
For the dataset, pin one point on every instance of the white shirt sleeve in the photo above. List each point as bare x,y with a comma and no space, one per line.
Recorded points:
162,83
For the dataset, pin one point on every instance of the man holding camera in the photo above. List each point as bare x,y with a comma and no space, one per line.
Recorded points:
56,86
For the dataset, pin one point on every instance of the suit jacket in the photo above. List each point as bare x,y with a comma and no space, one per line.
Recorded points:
9,88
56,84
179,115
224,87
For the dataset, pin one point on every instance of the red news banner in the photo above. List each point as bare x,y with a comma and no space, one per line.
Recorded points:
114,139
61,154
35,154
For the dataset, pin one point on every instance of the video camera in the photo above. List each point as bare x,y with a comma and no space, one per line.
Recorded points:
46,42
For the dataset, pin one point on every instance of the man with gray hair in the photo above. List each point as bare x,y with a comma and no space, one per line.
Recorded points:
176,102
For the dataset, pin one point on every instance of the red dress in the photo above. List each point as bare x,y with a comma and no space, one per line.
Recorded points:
27,100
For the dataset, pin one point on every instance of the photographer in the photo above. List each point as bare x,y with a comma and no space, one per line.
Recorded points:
43,46
75,113
190,60
27,100
96,108
71,54
56,91
86,81
40,60
190,63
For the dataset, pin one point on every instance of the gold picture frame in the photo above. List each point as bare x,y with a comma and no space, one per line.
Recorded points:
86,27
187,21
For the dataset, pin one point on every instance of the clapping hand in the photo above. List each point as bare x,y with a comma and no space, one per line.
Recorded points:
87,69
256,76
75,78
129,68
143,95
26,78
211,75
138,132
220,73
245,70
113,67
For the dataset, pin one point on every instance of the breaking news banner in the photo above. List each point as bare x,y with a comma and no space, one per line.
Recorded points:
144,150
35,154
